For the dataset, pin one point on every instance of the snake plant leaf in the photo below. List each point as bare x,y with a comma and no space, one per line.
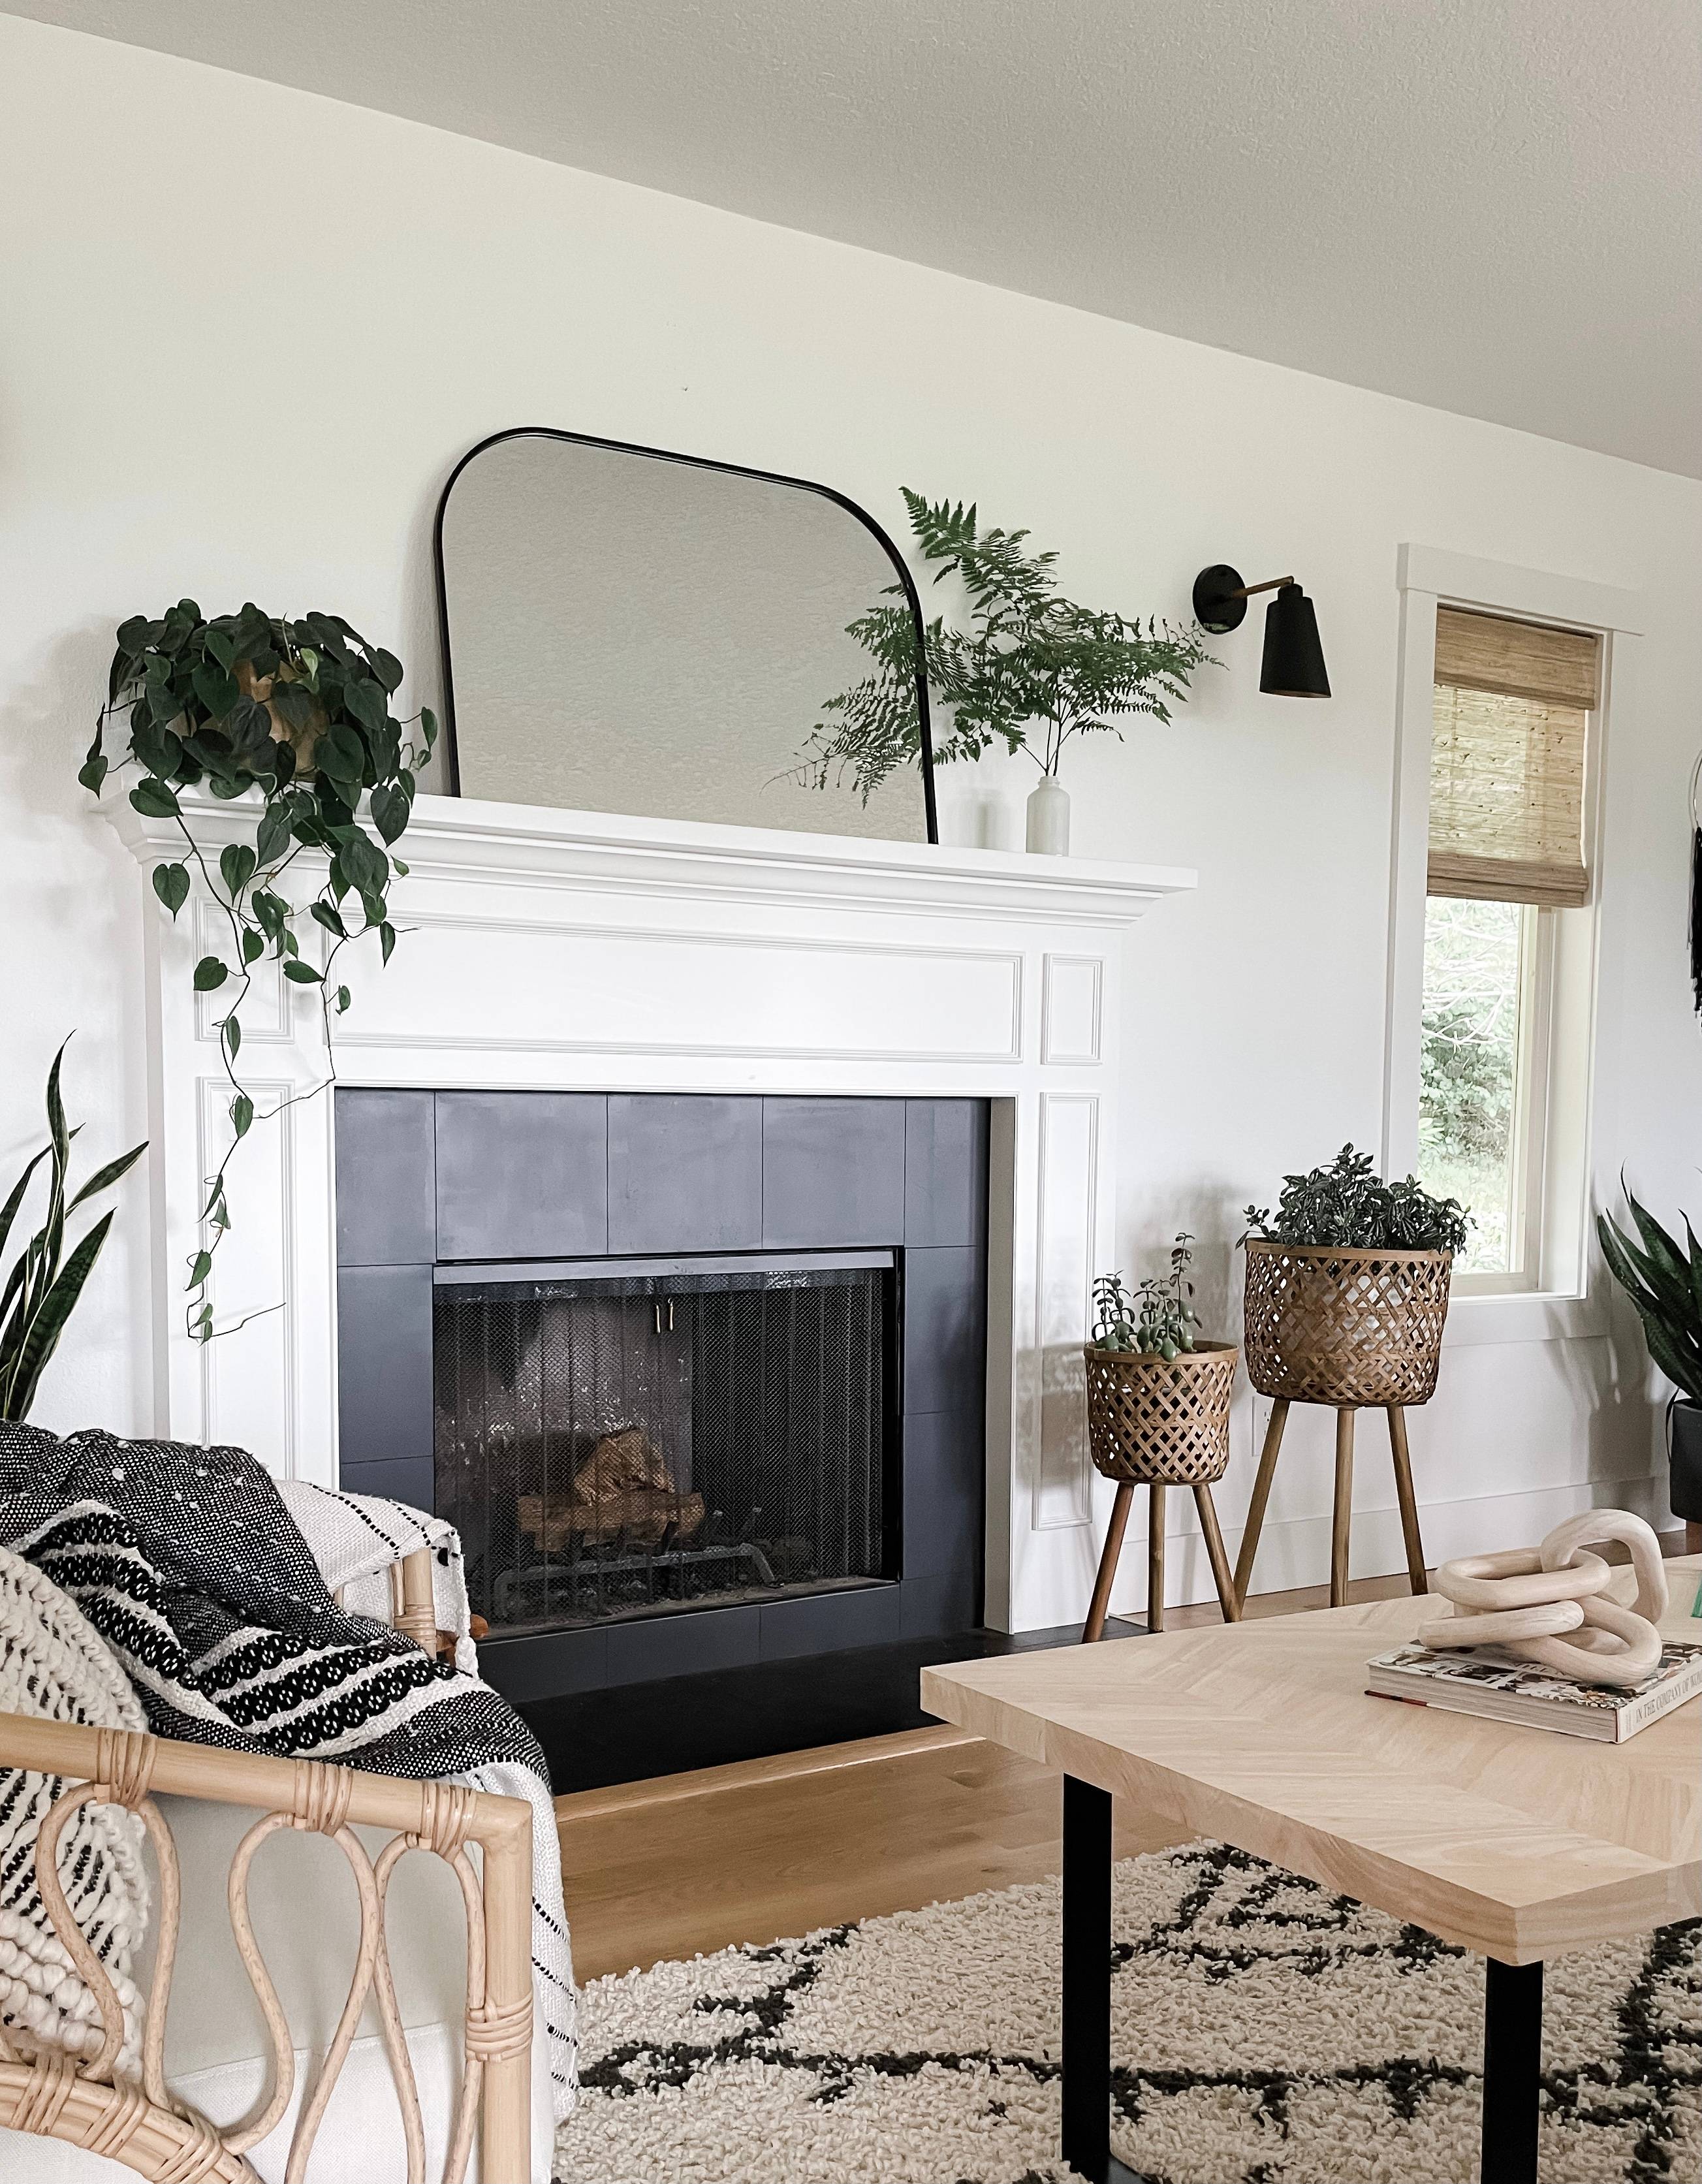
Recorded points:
105,1177
8,1211
1664,1284
47,1324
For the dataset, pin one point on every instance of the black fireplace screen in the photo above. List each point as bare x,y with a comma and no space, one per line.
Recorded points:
612,1447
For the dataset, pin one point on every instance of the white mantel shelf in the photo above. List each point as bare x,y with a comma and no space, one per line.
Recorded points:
455,838
578,950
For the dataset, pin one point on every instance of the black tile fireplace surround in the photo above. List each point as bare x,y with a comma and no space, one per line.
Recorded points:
528,1202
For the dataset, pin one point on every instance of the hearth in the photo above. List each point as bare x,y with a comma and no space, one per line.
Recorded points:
667,1436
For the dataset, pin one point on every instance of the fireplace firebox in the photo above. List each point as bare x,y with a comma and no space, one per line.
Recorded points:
659,1436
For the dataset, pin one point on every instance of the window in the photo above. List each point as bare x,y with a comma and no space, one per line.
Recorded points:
1504,1047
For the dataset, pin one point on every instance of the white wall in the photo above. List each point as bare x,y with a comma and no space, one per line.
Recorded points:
248,330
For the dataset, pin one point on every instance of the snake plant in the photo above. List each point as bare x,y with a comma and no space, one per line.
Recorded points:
1664,1281
45,1281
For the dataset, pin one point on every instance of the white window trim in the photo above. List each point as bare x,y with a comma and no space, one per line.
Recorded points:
1427,576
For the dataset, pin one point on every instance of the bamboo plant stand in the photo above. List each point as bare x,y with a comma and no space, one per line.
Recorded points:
1160,1423
1342,1515
1353,1329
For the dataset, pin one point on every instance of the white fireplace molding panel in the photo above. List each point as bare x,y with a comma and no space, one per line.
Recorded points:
578,952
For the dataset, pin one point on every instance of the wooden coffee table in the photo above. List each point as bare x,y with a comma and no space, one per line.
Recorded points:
1516,1842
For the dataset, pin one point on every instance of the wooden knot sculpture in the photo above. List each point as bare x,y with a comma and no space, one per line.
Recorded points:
1545,1603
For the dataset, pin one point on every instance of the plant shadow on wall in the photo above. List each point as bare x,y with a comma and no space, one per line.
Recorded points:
1033,670
44,1282
293,717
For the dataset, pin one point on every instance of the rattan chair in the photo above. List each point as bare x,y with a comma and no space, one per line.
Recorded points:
86,2107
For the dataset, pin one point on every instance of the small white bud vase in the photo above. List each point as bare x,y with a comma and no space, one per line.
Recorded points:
1048,819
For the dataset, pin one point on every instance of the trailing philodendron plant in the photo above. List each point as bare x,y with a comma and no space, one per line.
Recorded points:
1664,1281
294,715
43,1284
1155,1318
1347,1203
1031,670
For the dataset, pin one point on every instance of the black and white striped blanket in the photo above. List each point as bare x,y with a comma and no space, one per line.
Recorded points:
190,1566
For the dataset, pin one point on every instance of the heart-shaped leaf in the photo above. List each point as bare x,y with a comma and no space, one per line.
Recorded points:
389,811
209,972
154,799
272,836
171,885
236,866
303,973
242,1114
365,701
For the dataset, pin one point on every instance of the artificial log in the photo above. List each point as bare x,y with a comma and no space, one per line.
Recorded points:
623,1489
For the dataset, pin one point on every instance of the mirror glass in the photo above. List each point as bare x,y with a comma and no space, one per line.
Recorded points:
630,632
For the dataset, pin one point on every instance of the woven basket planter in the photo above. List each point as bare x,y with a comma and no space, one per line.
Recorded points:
1328,1324
1157,1421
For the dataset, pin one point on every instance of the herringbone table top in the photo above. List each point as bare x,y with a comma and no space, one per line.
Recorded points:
1518,1843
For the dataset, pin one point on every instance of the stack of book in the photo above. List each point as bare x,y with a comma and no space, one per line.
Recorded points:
1504,1688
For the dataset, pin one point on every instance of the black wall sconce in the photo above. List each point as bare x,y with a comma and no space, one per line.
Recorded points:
1293,662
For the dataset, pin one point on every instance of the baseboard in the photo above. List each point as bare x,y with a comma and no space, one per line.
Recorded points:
1296,1551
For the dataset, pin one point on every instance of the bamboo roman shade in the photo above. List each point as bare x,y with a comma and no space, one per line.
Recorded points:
1513,702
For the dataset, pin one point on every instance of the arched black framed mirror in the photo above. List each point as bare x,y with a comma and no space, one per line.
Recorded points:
625,629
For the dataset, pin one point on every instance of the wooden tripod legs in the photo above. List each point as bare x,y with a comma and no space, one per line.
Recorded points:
1340,1527
1409,1508
1094,1627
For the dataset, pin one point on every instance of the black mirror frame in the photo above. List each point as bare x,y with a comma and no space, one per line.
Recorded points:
450,758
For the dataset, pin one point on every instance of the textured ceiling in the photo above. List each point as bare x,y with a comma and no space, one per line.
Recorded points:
1494,207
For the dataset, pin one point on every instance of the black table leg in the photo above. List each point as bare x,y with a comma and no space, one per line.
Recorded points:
1512,2071
1086,2138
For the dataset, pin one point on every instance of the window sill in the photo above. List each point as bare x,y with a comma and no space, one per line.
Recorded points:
1535,1316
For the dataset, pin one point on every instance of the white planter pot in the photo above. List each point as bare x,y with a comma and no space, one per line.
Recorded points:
1048,819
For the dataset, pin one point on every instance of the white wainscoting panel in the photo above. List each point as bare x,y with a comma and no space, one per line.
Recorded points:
1068,1240
1070,1010
248,1373
488,983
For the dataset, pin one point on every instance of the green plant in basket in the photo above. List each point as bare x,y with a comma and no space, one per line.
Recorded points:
1348,1203
1156,1317
294,719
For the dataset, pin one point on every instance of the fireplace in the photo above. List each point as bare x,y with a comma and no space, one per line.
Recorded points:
699,1378
667,1437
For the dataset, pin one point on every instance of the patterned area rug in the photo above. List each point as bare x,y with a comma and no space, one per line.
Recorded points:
1265,2033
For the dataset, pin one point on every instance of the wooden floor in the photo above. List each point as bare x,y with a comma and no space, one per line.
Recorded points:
776,1846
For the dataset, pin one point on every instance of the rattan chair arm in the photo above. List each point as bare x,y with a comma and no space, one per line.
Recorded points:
257,1780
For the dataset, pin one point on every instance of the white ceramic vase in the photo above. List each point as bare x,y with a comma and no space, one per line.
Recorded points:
1048,819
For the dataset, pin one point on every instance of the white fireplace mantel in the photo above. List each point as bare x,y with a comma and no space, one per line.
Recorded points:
577,951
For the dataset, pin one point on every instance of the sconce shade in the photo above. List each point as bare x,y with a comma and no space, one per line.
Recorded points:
1293,662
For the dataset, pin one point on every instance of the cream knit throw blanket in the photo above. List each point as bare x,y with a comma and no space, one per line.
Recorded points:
54,1665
